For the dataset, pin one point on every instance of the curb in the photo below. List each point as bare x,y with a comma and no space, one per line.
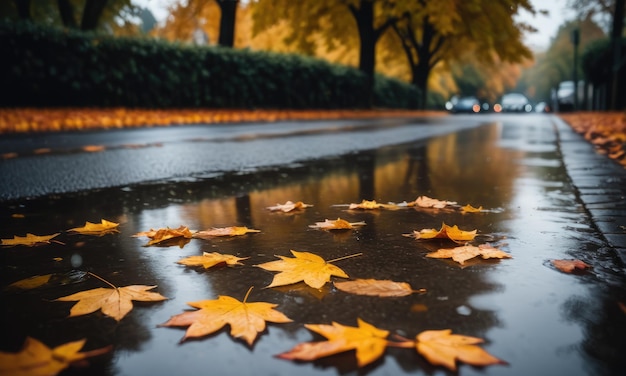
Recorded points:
600,182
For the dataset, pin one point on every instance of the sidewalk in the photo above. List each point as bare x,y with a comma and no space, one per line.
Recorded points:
600,182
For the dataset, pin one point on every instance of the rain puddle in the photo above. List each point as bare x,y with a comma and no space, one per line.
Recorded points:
535,318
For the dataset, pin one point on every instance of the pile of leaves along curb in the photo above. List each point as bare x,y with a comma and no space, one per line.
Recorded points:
248,319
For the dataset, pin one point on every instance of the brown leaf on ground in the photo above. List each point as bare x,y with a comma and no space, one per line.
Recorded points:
165,234
115,302
37,359
289,206
304,266
97,229
377,287
338,224
467,252
570,266
246,320
446,232
208,260
368,341
224,231
442,348
29,240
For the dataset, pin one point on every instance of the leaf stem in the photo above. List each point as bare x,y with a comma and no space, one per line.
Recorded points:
344,257
102,279
248,293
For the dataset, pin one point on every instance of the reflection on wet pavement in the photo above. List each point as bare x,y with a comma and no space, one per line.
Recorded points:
539,320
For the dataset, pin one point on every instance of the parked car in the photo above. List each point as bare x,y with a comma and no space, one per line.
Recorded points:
565,95
513,102
464,104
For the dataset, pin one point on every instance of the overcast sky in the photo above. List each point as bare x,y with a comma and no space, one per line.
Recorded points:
547,25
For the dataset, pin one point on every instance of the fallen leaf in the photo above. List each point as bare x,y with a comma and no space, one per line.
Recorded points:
470,209
305,266
427,202
375,287
246,320
29,240
289,206
368,341
30,283
165,234
569,266
446,232
369,205
208,260
53,279
442,348
37,359
338,224
115,302
224,231
419,307
98,229
467,252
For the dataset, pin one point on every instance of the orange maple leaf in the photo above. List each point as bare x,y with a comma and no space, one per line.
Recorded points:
368,341
376,287
165,234
369,205
28,240
446,232
289,206
224,231
305,266
569,266
115,302
427,202
441,347
470,209
36,358
208,260
246,320
467,252
98,229
338,224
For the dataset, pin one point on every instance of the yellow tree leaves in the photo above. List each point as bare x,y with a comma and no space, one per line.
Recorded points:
115,302
304,266
446,232
163,235
338,224
224,231
208,260
37,359
439,347
376,287
246,320
97,229
467,252
29,240
368,341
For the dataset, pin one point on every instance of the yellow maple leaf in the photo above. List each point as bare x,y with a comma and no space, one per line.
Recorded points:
446,232
29,240
37,359
470,209
208,260
115,302
246,320
338,224
305,266
376,287
467,252
102,228
368,341
224,231
289,206
163,235
441,347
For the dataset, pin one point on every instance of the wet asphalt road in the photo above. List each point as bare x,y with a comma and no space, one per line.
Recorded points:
547,194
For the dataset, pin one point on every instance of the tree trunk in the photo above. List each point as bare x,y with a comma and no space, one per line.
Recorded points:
420,73
364,17
91,14
227,22
67,13
616,47
23,9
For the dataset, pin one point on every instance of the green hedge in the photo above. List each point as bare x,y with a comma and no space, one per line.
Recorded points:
53,67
